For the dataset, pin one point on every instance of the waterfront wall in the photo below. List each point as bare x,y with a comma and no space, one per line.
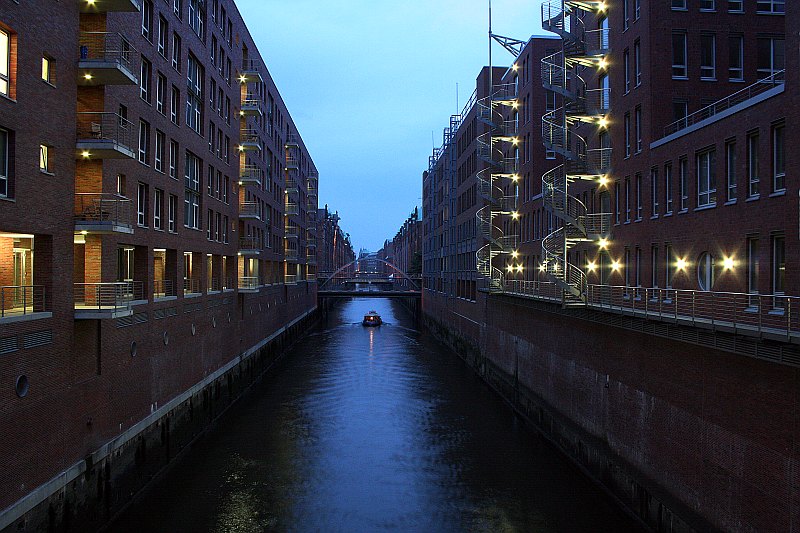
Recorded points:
88,492
686,437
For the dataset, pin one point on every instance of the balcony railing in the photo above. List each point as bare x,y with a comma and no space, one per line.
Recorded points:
291,232
251,174
104,135
291,254
251,105
292,163
249,210
191,286
249,283
214,284
107,296
251,71
291,208
728,102
106,58
163,288
249,140
22,300
249,244
103,212
290,279
775,315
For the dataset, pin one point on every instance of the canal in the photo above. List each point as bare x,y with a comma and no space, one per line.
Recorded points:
372,429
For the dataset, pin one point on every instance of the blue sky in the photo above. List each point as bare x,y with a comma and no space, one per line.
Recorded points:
368,81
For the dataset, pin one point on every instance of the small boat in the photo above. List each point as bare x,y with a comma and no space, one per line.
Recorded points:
372,319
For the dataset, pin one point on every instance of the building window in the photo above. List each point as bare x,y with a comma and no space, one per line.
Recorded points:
671,265
679,69
771,6
752,268
158,208
197,16
173,159
736,58
705,271
706,179
48,70
161,140
616,201
736,6
194,95
638,197
45,159
625,15
627,134
683,182
5,63
778,158
679,4
654,191
752,165
627,199
176,52
730,169
175,105
161,89
193,170
637,9
668,188
771,56
163,30
708,5
638,118
778,266
177,8
626,65
141,205
4,157
144,142
654,266
147,20
708,56
144,80
637,62
172,208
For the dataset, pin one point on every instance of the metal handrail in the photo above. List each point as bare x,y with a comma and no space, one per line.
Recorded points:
251,65
249,135
249,282
290,230
249,209
191,286
111,295
290,279
291,208
105,127
249,243
20,300
103,207
163,288
291,253
106,47
734,99
251,173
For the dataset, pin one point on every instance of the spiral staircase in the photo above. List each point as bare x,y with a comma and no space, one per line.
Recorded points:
501,133
584,111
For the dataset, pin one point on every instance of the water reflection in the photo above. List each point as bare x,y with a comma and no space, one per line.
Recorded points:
372,429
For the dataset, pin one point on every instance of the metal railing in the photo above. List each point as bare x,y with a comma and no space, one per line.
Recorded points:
742,312
251,173
251,102
249,136
291,254
98,208
290,279
105,127
214,284
104,296
163,288
251,65
106,47
19,300
249,243
719,106
292,162
191,286
249,282
291,231
249,209
291,208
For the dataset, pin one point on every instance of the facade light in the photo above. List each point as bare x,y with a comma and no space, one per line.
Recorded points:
681,264
542,267
591,266
616,266
85,154
603,244
87,76
728,263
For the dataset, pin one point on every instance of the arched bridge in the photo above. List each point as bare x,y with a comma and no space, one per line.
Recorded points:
346,282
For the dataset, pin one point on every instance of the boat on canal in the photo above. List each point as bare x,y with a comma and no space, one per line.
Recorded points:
372,319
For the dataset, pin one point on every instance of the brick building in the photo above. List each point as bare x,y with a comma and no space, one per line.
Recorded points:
334,250
624,277
157,223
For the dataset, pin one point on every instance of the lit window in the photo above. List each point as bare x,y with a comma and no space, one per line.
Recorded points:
5,62
705,271
44,158
48,70
4,185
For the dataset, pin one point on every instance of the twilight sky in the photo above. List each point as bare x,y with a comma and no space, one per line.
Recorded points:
368,81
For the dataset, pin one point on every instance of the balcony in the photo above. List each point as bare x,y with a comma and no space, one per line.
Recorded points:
290,279
291,187
250,72
251,175
249,210
249,140
291,254
102,213
292,163
249,284
293,141
107,6
249,246
164,289
191,287
311,276
251,106
291,208
311,258
96,301
104,136
18,303
311,187
291,231
106,59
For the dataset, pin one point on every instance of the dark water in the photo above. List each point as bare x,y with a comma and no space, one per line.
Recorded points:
372,429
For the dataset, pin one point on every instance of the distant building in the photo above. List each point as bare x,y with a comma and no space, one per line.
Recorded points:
334,249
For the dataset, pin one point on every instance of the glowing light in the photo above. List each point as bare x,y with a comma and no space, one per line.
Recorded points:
591,266
515,215
241,113
87,76
615,266
602,7
603,244
603,122
728,263
519,268
542,267
515,105
515,177
84,232
603,64
515,254
242,78
85,154
681,264
510,268
241,148
90,2
603,181
515,141
514,66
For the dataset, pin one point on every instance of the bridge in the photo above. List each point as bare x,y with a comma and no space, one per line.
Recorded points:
346,283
